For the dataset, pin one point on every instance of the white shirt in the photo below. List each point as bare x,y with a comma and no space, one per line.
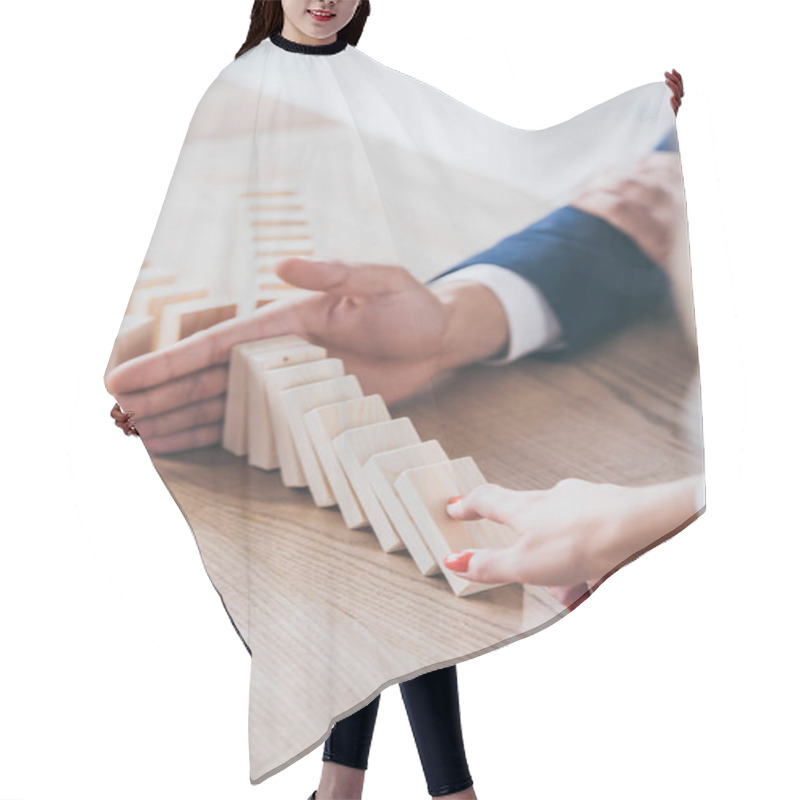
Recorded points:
532,324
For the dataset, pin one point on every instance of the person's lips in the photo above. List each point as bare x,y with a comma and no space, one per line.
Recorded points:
321,15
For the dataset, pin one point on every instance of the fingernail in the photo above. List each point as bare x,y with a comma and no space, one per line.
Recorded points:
458,562
454,504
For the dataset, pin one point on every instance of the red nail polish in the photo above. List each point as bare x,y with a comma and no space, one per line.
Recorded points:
454,499
458,562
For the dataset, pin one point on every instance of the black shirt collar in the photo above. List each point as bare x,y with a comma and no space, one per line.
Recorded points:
309,49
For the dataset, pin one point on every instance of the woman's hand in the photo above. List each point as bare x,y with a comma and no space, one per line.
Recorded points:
391,331
574,533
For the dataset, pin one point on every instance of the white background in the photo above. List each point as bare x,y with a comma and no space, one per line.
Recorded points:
120,674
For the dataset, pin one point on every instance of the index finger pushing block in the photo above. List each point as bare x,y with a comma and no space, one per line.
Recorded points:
425,492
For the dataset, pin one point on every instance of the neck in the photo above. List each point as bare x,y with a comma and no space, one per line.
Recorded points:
327,46
294,34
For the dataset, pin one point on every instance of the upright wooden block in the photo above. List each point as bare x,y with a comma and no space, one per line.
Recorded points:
425,492
354,447
296,403
151,300
262,442
382,470
234,430
276,381
180,320
326,423
283,245
278,218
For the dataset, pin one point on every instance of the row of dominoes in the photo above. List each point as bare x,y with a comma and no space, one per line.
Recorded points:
290,407
163,310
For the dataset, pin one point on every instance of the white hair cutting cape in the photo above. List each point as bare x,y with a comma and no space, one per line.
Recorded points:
313,445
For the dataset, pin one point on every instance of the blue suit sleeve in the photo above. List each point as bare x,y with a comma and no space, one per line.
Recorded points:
595,277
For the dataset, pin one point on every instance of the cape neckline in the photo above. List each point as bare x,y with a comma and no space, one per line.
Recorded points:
309,49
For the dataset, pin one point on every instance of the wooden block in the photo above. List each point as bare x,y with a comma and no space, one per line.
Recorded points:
262,443
273,193
147,279
234,431
425,492
354,447
179,320
151,276
151,299
327,422
276,381
135,338
264,215
269,280
278,246
382,470
267,262
296,403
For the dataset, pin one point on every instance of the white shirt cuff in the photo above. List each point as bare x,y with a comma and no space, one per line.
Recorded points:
532,324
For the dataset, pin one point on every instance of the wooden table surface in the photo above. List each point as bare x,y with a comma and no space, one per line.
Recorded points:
330,619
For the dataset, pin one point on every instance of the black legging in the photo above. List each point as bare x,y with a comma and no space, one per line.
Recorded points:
431,701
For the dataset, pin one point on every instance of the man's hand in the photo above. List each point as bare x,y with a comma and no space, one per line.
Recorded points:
644,201
390,330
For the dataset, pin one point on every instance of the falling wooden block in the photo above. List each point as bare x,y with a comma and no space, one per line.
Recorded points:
354,447
296,403
135,338
276,381
262,442
179,320
326,423
425,492
382,470
234,431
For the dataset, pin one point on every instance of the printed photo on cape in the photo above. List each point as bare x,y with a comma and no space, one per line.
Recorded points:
313,395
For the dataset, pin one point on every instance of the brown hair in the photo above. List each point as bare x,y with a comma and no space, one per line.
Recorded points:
266,18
